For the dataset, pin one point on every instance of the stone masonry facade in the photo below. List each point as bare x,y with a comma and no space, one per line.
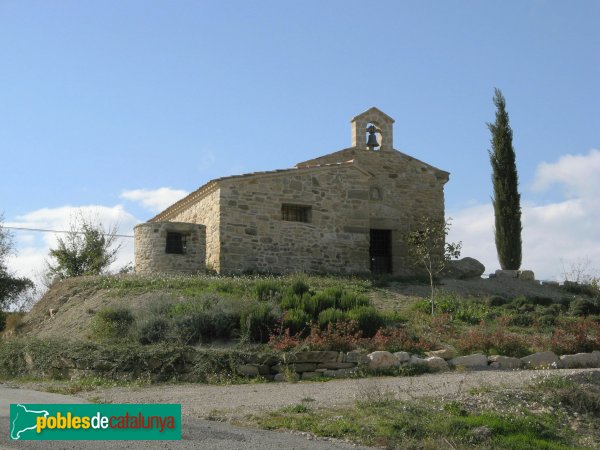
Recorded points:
345,212
150,241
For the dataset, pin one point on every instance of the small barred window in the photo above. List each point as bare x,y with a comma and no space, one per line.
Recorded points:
296,213
176,243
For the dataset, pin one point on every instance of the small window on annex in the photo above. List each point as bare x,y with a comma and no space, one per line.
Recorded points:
176,243
296,213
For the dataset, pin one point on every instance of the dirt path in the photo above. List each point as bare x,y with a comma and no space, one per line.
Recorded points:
236,401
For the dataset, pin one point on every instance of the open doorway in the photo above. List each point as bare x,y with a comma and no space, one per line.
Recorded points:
380,251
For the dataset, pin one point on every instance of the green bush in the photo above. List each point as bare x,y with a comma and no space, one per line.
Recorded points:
496,300
267,289
521,320
552,310
257,321
314,304
519,301
368,318
153,330
352,300
291,301
296,320
225,323
192,328
584,307
540,300
331,315
2,320
547,320
112,323
299,287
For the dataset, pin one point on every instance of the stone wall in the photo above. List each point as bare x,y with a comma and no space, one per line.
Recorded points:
150,240
254,236
207,211
401,191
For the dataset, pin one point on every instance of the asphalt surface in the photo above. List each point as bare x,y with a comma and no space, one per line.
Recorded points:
196,433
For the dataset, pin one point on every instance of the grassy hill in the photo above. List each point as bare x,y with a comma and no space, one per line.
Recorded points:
507,316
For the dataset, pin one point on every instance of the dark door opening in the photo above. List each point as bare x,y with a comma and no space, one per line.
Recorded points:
381,251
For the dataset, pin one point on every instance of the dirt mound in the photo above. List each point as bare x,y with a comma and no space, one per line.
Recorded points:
485,287
67,309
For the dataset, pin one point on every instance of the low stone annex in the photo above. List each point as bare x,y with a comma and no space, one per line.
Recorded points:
344,212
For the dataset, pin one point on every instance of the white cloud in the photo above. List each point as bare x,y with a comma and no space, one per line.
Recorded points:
553,233
32,252
154,200
577,174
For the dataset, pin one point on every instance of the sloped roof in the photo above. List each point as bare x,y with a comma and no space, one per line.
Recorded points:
372,109
210,186
350,152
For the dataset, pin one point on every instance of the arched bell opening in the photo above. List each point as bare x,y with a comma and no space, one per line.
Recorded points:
373,137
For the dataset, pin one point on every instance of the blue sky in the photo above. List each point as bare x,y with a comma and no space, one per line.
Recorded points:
120,107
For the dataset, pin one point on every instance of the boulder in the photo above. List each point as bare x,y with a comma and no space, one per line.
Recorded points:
446,352
415,359
526,275
248,370
382,360
403,357
542,360
293,376
311,375
341,373
357,357
312,357
476,361
336,365
504,362
579,360
507,273
296,367
435,363
462,269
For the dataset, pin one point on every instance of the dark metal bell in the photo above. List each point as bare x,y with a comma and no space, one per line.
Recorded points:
372,139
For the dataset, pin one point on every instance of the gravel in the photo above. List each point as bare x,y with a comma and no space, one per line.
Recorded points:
236,401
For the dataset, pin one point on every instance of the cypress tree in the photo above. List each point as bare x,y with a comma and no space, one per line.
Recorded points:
506,199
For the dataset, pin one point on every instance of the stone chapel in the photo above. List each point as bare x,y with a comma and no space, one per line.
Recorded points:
345,212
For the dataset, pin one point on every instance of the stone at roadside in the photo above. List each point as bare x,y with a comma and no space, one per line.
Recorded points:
415,359
542,360
507,273
476,361
292,376
435,363
336,365
311,375
248,370
504,362
341,373
312,357
463,269
579,360
403,357
447,352
382,360
526,275
296,367
357,357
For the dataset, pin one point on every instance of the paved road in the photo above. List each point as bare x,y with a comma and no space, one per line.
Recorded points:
196,433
